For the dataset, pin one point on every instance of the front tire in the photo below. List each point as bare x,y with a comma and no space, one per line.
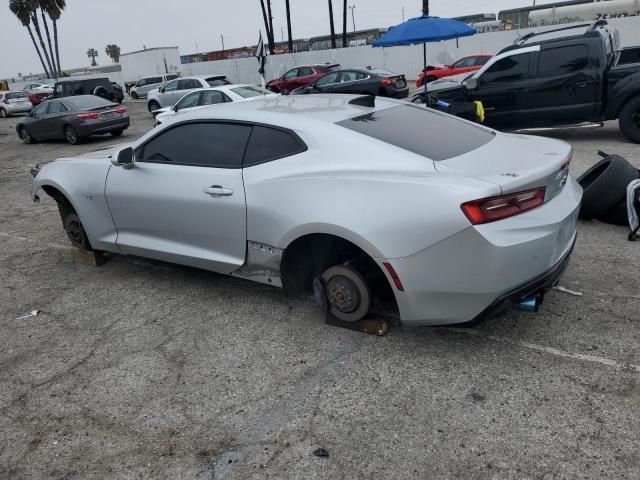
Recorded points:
71,135
117,133
26,136
134,95
3,113
75,232
348,295
629,119
153,105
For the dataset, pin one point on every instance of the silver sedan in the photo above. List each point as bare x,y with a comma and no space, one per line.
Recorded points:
370,205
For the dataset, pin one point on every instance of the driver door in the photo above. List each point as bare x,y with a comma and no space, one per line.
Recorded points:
184,201
503,90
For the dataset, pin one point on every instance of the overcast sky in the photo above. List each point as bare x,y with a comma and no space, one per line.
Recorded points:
132,24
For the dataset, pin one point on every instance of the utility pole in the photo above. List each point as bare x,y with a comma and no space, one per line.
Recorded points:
289,27
425,8
344,24
333,28
273,41
403,14
353,17
266,26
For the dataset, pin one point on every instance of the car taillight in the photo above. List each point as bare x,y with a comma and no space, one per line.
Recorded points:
388,81
88,116
122,110
487,210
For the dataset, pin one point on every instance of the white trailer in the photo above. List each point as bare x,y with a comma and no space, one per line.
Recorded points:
149,62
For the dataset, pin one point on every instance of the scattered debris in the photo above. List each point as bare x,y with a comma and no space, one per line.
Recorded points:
33,313
321,452
566,290
477,397
374,326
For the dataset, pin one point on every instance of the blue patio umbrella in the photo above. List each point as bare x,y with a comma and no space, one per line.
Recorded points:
424,30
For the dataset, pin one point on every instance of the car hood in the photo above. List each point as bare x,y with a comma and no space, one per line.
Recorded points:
100,153
448,82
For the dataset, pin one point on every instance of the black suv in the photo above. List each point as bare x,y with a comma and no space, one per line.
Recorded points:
559,81
101,87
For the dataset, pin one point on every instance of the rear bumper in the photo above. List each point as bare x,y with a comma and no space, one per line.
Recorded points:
96,127
476,271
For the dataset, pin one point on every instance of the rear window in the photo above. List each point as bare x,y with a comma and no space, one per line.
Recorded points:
88,102
13,95
425,132
217,81
248,92
268,144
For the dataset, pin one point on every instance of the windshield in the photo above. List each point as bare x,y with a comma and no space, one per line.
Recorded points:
88,102
249,91
421,131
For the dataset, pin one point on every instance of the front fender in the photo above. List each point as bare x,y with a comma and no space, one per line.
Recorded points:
623,90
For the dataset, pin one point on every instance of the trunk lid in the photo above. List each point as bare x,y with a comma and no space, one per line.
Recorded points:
515,163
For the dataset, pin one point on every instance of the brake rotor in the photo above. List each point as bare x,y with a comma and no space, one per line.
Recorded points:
347,293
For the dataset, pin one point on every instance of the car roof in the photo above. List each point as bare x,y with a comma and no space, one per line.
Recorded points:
289,110
212,75
69,80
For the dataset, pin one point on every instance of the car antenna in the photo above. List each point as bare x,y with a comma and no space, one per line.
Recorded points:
364,101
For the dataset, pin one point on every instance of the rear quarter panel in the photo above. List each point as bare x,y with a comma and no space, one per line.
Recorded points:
388,201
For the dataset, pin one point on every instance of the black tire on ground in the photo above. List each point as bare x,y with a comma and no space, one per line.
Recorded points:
117,133
26,136
348,293
629,119
71,135
3,113
134,95
618,215
75,232
153,105
605,185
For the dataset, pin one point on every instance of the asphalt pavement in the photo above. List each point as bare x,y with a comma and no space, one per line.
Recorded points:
140,369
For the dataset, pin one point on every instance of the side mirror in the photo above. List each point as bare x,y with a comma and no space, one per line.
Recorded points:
161,89
125,159
32,113
471,83
175,108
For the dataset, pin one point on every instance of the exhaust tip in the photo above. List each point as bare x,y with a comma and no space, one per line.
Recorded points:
530,304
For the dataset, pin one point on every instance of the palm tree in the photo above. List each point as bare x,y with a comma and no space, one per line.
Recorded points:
92,53
36,25
22,9
43,4
333,28
289,26
113,52
54,9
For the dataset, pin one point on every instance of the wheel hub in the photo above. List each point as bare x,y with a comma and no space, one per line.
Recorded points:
343,294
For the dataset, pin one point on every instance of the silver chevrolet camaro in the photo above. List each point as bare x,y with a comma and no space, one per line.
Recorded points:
370,205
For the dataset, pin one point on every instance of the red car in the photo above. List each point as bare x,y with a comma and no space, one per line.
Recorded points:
464,65
300,77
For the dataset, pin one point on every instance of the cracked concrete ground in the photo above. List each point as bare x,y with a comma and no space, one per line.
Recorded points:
140,369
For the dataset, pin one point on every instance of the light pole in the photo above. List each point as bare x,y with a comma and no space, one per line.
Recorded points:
282,32
222,38
353,17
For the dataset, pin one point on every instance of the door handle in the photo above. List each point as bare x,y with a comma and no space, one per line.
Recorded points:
582,84
218,191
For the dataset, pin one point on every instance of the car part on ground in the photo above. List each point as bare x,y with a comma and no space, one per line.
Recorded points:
605,187
488,204
633,209
73,119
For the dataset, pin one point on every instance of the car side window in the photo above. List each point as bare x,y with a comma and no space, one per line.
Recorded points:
41,109
328,79
480,61
509,69
57,107
555,62
170,77
218,145
190,100
464,63
291,74
268,144
188,84
211,97
171,86
305,71
348,77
